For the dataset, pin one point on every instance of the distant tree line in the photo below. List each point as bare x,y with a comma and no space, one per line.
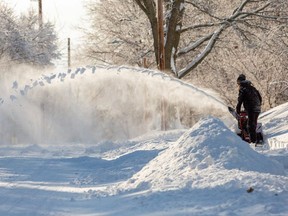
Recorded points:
208,43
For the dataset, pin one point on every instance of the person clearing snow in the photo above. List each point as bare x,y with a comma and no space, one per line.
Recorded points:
251,99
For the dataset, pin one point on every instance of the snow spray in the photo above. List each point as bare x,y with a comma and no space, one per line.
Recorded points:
96,103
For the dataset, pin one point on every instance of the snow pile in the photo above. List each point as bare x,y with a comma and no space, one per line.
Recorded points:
207,155
275,125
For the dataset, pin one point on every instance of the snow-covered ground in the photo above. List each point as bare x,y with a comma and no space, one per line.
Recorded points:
74,143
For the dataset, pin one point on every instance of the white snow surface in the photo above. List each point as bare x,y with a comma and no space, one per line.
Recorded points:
80,163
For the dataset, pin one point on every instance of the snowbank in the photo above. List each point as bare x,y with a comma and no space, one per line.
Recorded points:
275,126
207,151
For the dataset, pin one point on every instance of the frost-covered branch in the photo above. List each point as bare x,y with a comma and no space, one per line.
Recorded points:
197,60
238,16
194,45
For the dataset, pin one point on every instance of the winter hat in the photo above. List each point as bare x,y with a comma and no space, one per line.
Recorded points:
241,77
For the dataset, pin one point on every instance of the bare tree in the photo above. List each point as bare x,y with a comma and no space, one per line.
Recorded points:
263,61
244,17
119,33
206,42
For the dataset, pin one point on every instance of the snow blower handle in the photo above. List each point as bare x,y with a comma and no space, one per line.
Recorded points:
233,112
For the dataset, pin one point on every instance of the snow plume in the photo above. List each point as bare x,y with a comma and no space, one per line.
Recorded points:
96,103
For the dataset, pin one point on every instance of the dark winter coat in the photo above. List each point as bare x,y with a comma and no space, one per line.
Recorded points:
250,97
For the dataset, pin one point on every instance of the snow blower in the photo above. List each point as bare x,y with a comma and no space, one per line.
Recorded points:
242,119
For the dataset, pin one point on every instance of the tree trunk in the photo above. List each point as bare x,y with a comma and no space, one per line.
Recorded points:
174,17
149,8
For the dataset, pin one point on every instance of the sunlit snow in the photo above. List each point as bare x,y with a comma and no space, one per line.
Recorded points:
90,141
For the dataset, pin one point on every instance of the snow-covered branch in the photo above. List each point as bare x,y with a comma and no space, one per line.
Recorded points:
194,45
197,60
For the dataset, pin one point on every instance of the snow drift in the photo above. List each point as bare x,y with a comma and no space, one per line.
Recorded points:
274,123
207,155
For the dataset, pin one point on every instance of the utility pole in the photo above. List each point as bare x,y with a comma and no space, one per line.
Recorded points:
161,47
40,15
69,54
161,58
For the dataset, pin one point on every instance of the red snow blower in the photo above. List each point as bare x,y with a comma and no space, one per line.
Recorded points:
242,119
